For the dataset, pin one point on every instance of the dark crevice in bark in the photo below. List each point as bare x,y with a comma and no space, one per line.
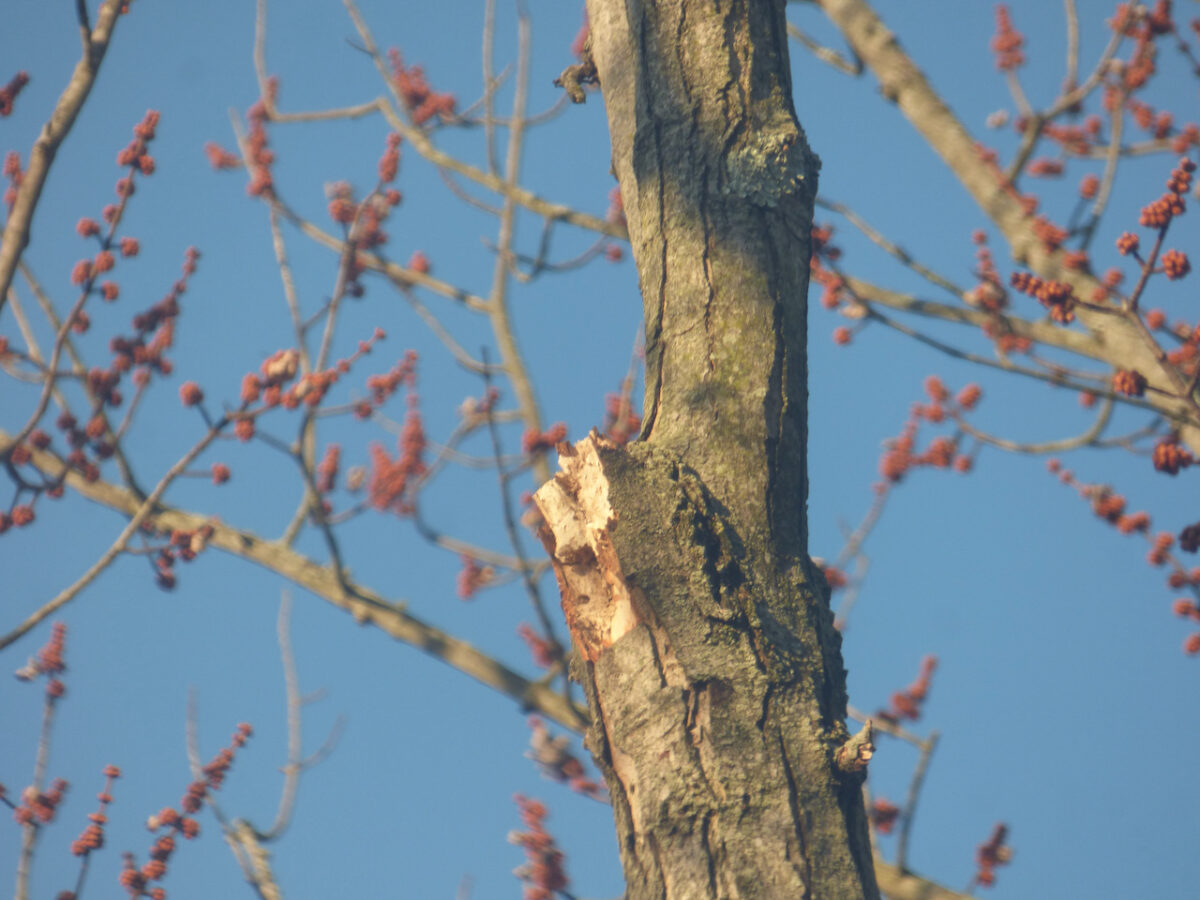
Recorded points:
709,854
774,407
656,320
805,861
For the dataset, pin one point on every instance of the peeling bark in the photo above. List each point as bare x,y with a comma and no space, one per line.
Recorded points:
715,687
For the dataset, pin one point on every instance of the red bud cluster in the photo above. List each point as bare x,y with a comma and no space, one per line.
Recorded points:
422,101
991,854
906,704
543,872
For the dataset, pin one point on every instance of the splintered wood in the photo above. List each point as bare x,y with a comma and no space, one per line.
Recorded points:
597,602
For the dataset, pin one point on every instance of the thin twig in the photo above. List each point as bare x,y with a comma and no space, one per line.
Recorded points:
465,548
927,747
510,522
895,250
489,82
31,830
883,725
1040,332
1110,174
1072,17
289,288
461,356
1073,97
1088,438
825,54
140,514
1005,366
86,290
510,355
295,746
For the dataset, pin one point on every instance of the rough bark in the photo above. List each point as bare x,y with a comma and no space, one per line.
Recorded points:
703,635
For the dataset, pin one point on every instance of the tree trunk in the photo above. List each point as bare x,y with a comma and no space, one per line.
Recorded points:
702,631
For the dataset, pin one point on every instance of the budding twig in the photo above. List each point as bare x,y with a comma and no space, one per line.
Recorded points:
16,228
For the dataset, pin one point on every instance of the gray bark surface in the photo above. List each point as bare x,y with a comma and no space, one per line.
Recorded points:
703,633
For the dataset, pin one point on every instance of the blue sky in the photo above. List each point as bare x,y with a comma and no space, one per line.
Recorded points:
1061,689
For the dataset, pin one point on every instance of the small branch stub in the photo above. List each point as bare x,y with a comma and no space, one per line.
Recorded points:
854,755
574,77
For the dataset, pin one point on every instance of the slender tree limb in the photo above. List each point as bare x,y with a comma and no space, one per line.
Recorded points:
397,273
289,288
489,83
31,830
914,793
20,218
898,884
366,606
1110,174
254,858
1041,332
878,238
139,511
1057,378
465,548
294,767
1087,439
827,55
902,82
1072,95
501,320
527,572
1072,67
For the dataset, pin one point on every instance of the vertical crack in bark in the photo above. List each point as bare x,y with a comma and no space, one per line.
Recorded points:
775,401
806,872
706,233
706,845
734,115
655,312
660,871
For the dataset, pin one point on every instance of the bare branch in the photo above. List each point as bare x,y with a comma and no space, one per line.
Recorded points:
827,55
366,606
898,884
16,229
139,510
914,793
1072,17
295,746
1089,438
254,858
489,82
902,81
895,250
527,571
1042,332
